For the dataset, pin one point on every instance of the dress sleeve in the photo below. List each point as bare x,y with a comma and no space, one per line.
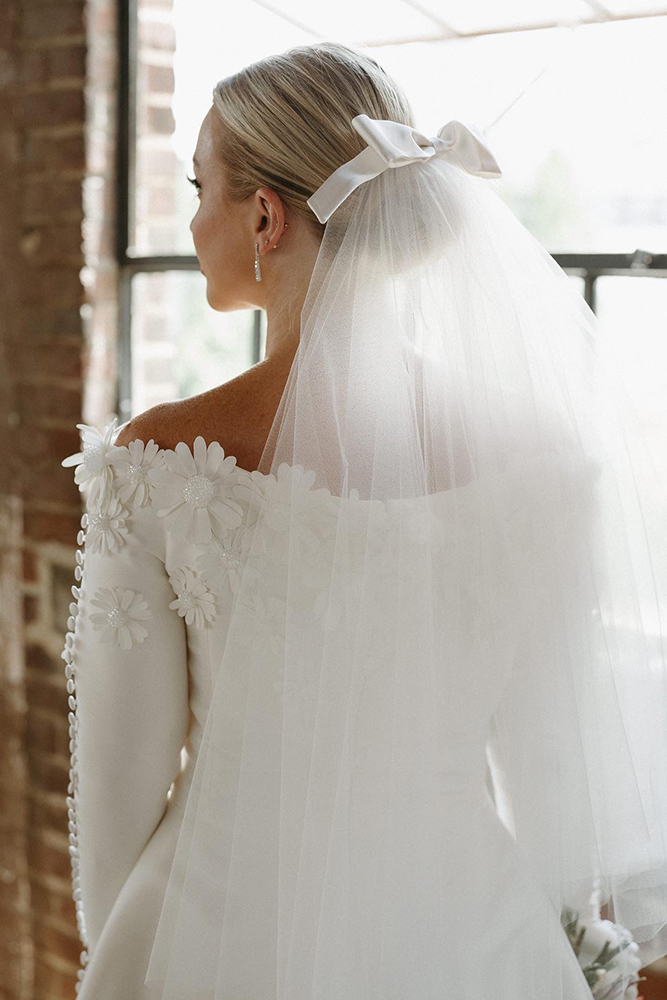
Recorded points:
127,679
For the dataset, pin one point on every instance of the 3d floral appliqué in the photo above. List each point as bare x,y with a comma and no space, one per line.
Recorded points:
222,567
267,624
120,617
288,506
194,602
106,527
132,463
194,490
94,461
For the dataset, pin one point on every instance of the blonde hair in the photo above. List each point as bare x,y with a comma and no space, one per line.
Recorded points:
287,120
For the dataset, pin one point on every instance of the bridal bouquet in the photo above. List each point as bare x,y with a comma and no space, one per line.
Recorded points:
607,955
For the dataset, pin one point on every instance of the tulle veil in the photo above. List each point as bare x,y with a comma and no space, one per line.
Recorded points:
453,600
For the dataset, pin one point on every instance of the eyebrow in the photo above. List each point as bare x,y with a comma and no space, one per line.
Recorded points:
195,161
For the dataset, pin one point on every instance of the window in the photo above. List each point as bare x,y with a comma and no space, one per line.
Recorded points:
568,112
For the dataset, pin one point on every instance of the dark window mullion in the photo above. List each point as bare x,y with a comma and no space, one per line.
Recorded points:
590,289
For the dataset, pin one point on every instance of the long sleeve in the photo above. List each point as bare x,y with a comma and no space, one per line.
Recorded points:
126,656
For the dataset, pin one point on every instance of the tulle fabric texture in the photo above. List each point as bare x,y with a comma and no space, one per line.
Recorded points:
456,554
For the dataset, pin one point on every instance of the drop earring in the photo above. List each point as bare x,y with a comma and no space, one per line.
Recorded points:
258,273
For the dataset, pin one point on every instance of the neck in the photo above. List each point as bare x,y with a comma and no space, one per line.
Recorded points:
286,290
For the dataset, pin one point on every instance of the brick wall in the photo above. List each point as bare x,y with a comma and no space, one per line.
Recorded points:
57,297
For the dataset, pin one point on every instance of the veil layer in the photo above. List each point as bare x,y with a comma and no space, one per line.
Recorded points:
441,710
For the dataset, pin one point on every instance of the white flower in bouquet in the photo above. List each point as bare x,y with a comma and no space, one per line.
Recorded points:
607,954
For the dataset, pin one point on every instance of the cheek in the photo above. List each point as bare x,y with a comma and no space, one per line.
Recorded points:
208,227
224,260
198,226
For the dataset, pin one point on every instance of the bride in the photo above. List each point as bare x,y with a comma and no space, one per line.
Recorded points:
366,658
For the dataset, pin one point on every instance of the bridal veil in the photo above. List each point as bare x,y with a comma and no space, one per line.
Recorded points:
455,581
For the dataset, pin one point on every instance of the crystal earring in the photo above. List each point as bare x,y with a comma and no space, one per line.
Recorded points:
258,273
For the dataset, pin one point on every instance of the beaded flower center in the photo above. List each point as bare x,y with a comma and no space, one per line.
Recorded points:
136,474
198,491
117,617
186,599
100,522
91,451
231,559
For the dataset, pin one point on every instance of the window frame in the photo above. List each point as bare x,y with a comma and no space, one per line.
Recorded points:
589,266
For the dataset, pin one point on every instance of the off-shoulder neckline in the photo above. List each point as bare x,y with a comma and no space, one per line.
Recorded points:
190,449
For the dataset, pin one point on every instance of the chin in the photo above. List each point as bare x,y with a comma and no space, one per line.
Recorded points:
210,298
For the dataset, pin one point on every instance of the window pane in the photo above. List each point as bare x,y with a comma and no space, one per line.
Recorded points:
579,281
582,149
632,313
180,346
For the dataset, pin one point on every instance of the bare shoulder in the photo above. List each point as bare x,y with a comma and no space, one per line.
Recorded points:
238,414
149,424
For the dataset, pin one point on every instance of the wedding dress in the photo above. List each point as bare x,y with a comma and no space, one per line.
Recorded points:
151,618
358,724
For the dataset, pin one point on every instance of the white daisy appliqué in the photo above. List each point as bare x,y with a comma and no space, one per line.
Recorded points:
193,491
93,462
194,602
132,463
222,567
106,527
120,619
289,505
267,624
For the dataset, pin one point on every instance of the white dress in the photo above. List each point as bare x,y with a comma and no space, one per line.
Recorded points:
147,628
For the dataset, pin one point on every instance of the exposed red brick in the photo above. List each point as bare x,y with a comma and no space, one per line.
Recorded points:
160,79
29,566
44,447
56,107
51,526
45,319
47,860
9,22
160,121
47,733
37,659
156,35
40,400
52,66
51,242
12,968
49,938
59,359
50,21
60,286
51,982
55,153
47,693
11,727
48,197
67,62
30,608
48,772
50,903
55,487
11,801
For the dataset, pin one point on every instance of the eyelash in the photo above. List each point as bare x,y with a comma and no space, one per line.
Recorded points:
193,180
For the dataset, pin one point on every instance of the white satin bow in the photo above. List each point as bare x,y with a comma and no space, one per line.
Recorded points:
392,144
